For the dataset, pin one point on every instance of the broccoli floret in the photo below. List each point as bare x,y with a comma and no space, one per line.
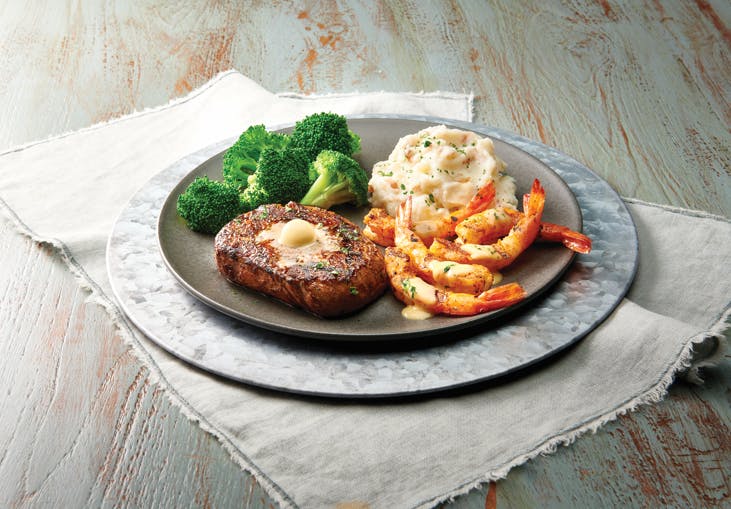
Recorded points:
207,205
324,131
241,158
340,180
281,176
252,197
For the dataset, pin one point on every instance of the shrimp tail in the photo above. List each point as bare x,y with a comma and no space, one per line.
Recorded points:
534,202
456,304
573,240
502,296
481,200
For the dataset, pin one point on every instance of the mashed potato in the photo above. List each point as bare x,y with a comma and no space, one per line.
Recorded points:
441,169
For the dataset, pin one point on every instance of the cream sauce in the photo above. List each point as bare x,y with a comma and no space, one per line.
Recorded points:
415,313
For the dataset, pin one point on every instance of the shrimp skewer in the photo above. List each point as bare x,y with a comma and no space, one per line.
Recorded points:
503,252
457,277
410,289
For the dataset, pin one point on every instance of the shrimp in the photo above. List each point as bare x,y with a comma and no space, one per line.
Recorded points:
457,277
504,251
410,289
488,226
380,226
573,240
479,202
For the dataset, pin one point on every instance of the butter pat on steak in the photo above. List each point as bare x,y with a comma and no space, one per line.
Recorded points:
323,265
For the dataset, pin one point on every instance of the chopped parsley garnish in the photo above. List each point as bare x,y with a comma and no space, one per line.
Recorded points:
348,233
457,149
408,287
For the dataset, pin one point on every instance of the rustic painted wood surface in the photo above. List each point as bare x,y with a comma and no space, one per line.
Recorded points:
639,91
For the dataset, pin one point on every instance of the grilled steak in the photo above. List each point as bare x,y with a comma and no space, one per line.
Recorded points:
325,267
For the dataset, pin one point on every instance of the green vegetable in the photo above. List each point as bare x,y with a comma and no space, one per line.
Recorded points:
240,160
281,176
265,167
340,179
324,131
206,205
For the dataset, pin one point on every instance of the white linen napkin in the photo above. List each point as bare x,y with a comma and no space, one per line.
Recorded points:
309,452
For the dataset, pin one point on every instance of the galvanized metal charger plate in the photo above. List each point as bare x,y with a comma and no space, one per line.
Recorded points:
168,314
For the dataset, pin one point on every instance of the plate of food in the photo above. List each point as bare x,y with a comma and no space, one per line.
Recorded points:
369,229
438,353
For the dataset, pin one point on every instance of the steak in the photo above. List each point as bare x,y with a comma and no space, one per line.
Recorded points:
336,273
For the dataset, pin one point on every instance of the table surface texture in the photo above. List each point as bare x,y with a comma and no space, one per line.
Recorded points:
637,91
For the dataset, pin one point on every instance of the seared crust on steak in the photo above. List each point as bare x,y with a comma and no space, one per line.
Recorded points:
339,273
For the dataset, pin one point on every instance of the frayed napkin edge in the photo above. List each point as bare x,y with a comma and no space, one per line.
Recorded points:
687,365
677,210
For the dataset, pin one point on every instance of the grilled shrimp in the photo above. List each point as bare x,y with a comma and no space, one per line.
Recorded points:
380,226
479,202
486,227
489,225
504,251
410,289
457,277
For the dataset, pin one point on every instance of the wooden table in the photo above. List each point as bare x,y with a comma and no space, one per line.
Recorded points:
638,91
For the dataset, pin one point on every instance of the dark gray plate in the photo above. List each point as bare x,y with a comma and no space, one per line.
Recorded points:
189,255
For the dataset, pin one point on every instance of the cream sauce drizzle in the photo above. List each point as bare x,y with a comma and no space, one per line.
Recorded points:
413,312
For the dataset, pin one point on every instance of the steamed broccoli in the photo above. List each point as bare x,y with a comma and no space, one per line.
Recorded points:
207,205
266,167
340,179
240,160
281,176
324,131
